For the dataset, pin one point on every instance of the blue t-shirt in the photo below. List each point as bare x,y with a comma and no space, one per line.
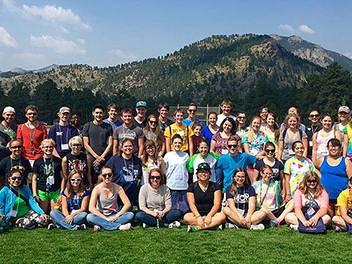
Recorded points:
61,135
207,134
188,122
227,164
74,202
242,196
114,124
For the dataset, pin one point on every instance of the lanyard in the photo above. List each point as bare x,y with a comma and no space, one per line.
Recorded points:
266,192
128,172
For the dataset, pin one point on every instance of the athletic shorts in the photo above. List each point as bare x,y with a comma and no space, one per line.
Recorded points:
49,196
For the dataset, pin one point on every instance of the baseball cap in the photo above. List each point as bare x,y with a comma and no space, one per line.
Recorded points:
64,109
203,166
9,109
141,104
344,109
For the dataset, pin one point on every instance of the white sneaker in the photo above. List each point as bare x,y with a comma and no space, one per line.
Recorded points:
231,226
337,229
125,226
257,227
294,227
175,224
144,225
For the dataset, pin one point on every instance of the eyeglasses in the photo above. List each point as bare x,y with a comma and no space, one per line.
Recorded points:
76,145
267,174
33,114
232,146
107,175
155,177
313,115
14,178
16,147
343,113
270,150
48,147
75,180
241,117
153,122
192,110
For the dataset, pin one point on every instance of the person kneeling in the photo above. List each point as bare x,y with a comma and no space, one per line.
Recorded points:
74,203
155,203
343,219
311,203
106,212
204,199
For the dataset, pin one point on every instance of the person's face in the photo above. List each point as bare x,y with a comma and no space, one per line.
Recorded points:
299,150
179,118
64,117
212,119
127,118
334,150
112,113
203,175
177,143
343,116
197,130
76,147
141,111
270,120
203,149
232,146
15,179
241,118
75,180
150,149
153,122
227,126
266,175
326,122
98,114
9,117
155,179
256,124
240,178
192,110
314,117
292,122
31,115
75,120
270,151
107,174
292,110
264,113
312,183
16,148
163,112
226,109
127,148
47,148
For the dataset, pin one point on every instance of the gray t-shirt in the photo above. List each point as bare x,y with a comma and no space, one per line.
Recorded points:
154,199
287,151
133,133
98,136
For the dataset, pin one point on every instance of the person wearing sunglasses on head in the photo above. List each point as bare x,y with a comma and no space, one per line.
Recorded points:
31,133
17,204
343,217
15,160
155,203
343,114
109,205
74,204
152,132
311,203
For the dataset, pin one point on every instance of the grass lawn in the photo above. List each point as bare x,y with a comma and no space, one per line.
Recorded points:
151,245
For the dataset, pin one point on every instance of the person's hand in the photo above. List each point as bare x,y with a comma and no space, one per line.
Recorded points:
306,223
207,220
161,214
45,217
200,221
113,218
69,219
313,221
287,198
155,214
36,198
98,160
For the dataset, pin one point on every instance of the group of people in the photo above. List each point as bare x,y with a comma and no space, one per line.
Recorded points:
155,171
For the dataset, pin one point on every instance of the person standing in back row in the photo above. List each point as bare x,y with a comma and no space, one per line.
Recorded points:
113,118
226,108
192,116
97,140
140,119
164,121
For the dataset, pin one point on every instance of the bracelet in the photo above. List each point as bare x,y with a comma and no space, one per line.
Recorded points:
197,216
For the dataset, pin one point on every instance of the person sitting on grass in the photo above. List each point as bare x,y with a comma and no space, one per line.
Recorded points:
240,202
105,209
74,203
17,204
204,199
155,203
269,199
311,203
343,218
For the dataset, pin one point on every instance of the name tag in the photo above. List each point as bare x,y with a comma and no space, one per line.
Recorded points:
59,133
13,213
310,211
64,147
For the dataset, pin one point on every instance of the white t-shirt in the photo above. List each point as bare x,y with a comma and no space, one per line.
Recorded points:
221,118
176,170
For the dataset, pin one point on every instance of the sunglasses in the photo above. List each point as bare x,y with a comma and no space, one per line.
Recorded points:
241,117
76,145
313,115
16,147
153,122
76,180
14,178
192,110
155,177
270,150
232,146
107,175
312,181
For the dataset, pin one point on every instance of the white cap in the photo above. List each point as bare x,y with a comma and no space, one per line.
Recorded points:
9,109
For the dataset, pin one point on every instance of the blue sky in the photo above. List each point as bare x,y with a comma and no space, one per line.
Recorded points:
34,34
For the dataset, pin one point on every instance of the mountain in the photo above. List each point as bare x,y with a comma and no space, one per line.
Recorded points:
47,68
21,71
313,52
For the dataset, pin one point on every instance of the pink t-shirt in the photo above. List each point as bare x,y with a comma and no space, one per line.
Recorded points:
300,200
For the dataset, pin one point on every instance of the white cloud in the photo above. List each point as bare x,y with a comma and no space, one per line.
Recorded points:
306,29
55,14
6,39
123,55
287,28
58,44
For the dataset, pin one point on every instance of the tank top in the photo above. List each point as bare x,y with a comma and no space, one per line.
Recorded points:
334,178
322,142
109,205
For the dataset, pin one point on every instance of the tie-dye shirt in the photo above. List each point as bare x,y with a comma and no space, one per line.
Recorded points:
348,131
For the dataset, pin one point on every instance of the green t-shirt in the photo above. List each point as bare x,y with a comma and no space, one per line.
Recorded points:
21,207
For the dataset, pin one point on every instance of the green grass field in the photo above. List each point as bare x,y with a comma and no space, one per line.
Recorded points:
151,245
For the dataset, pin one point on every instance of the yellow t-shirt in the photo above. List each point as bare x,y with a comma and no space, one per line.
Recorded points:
344,199
184,131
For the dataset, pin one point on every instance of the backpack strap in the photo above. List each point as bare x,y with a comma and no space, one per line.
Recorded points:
18,194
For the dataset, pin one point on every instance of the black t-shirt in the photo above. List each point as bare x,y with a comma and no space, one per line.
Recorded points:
167,123
277,168
48,173
204,201
242,197
310,130
7,163
98,135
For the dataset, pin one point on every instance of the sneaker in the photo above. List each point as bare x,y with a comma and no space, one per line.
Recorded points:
337,229
175,224
96,228
257,227
231,226
220,227
125,226
191,228
82,227
294,227
144,225
51,226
